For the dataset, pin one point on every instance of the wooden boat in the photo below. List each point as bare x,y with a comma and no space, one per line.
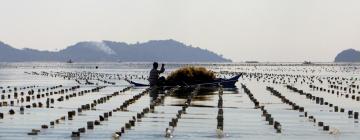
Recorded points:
69,61
225,83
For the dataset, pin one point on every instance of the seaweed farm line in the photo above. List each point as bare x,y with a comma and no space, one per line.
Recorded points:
45,101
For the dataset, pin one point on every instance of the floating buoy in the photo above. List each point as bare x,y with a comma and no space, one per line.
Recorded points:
82,130
356,115
75,134
97,122
326,128
128,126
90,125
34,132
320,124
116,135
44,126
11,112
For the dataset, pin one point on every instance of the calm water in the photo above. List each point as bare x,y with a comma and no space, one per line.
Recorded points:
241,119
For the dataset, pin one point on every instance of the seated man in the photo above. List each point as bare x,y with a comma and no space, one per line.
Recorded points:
154,75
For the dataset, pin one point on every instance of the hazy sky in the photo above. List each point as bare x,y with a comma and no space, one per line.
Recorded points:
263,30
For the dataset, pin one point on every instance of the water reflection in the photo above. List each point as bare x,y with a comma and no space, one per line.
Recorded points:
205,94
155,91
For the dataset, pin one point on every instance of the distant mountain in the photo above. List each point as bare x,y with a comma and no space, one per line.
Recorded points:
91,51
349,55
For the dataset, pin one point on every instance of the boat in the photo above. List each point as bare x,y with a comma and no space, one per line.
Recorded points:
69,61
225,83
307,63
251,62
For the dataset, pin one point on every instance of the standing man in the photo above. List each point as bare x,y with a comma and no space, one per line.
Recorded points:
154,74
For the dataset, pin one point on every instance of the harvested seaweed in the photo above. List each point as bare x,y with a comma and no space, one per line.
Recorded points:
190,76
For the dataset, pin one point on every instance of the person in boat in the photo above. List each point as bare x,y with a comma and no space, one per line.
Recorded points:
154,79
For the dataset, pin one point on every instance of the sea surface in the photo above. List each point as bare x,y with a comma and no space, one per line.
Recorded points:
337,84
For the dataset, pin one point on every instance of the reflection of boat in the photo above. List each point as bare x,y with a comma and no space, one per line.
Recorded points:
69,61
225,83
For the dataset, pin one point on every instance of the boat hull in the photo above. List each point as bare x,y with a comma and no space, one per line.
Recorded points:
225,83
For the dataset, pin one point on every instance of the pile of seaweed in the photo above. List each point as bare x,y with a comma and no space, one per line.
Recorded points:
190,76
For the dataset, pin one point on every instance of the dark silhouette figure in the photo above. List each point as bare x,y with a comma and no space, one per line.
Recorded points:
154,79
156,83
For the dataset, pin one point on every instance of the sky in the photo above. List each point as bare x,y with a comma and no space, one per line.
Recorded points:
242,30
